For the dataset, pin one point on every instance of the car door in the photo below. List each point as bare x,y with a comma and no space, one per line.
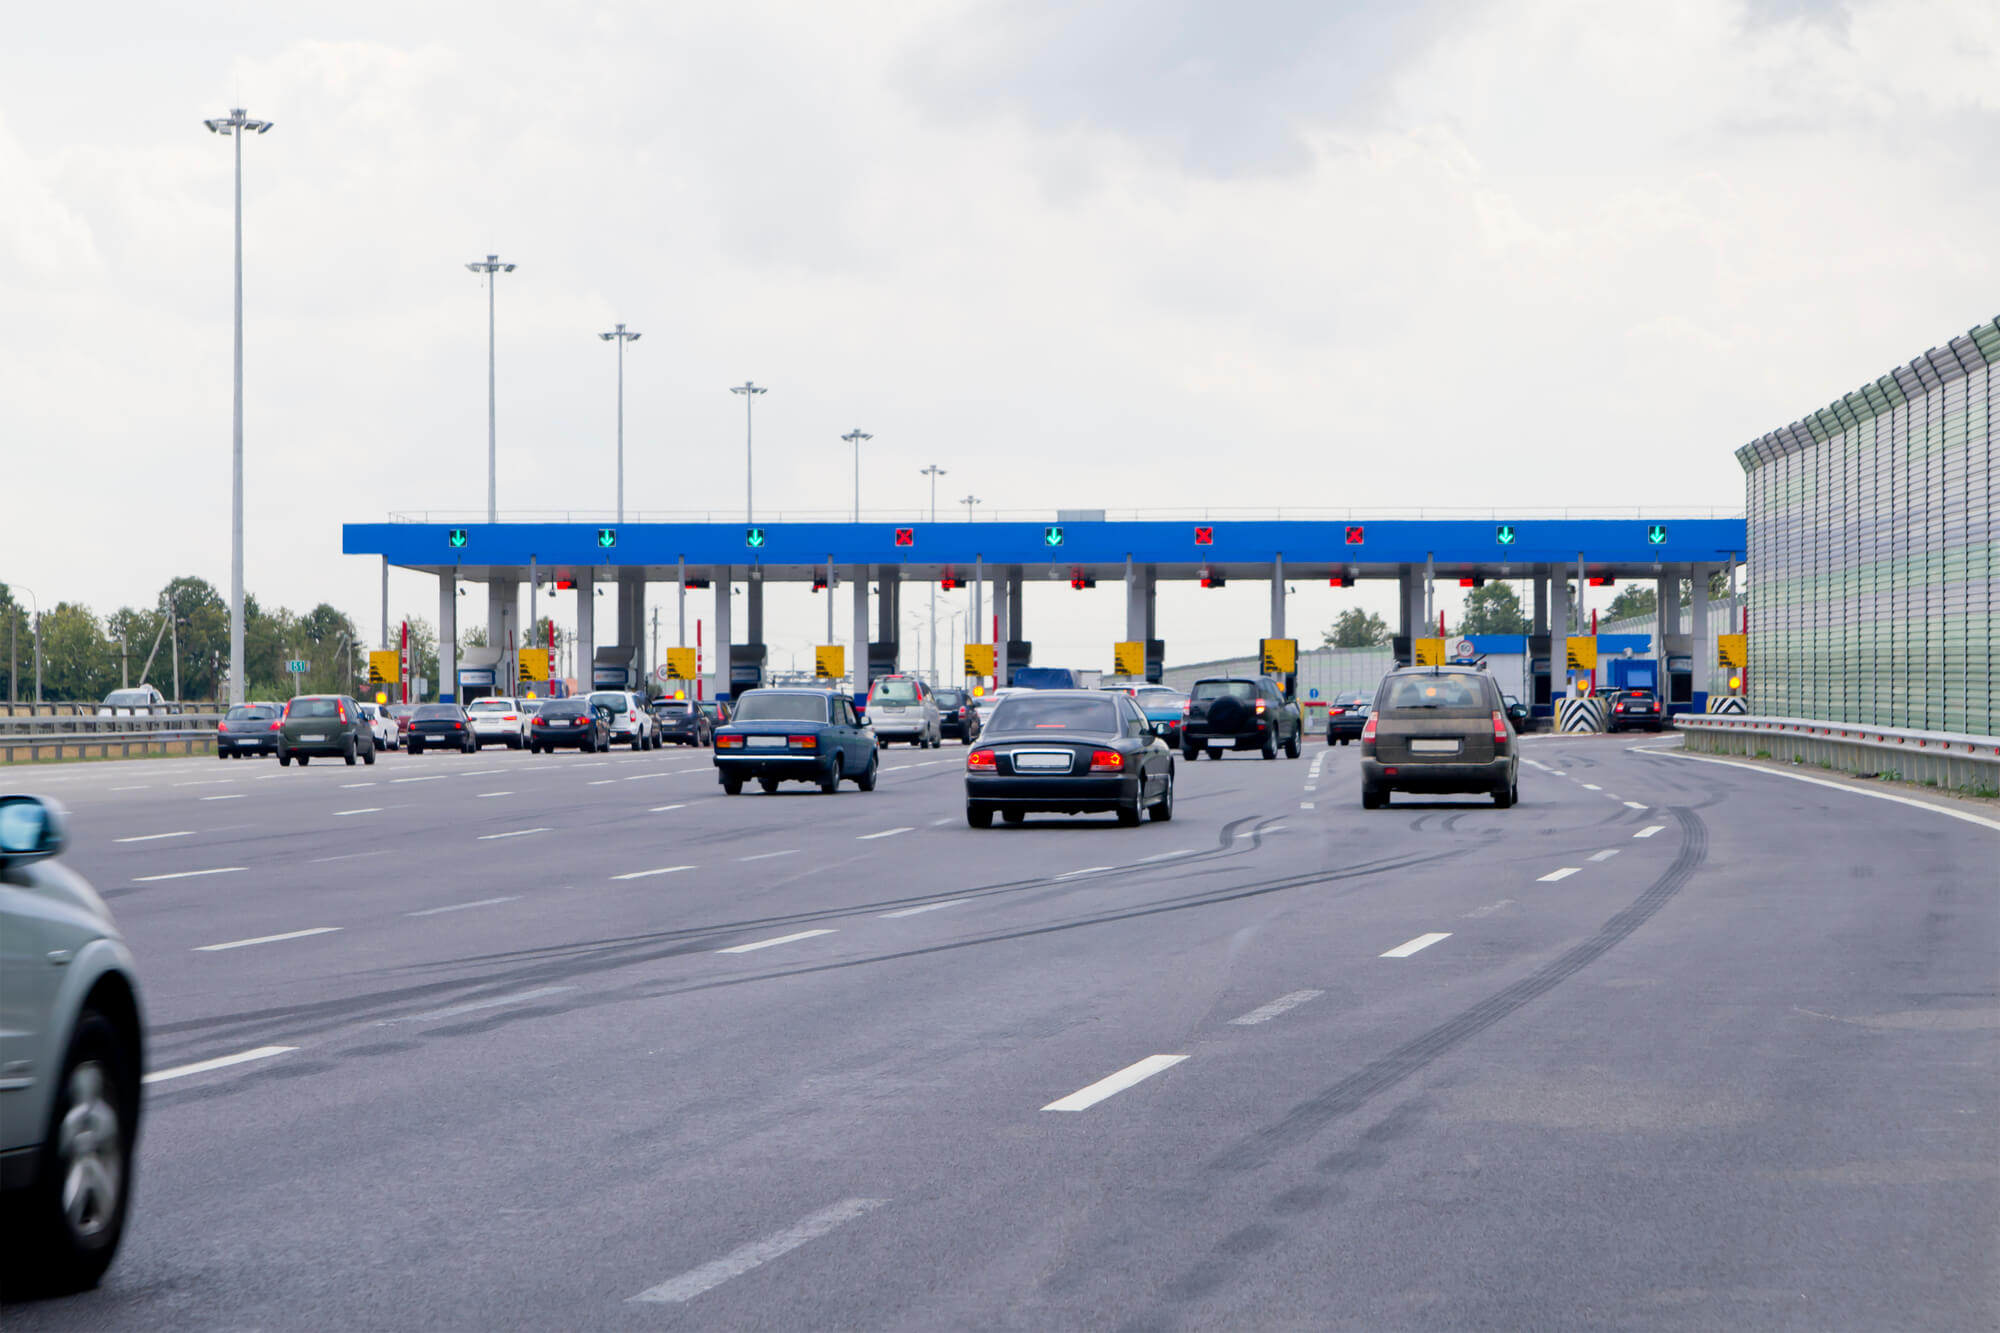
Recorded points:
853,742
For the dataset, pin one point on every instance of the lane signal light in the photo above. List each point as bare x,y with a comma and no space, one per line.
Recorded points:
947,583
1204,536
1341,581
456,538
1052,536
1356,534
1080,580
906,536
1473,582
1504,534
607,538
695,584
1656,534
1603,581
565,585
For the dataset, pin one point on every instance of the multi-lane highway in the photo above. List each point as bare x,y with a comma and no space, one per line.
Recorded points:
501,1041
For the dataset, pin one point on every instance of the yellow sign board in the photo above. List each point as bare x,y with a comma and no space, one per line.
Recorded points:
1128,659
534,663
1281,656
978,659
680,663
385,668
1583,654
1732,650
1429,652
830,661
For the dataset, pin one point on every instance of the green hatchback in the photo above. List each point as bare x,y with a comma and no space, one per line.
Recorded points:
326,725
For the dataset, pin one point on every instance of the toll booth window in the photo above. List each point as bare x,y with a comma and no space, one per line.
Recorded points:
758,706
1027,713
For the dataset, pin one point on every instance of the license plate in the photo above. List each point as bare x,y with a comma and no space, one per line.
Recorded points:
1042,762
1434,747
1220,744
312,738
1162,728
764,742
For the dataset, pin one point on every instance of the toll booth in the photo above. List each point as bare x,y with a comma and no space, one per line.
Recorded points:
1020,653
1156,661
1403,649
1541,698
746,667
884,659
479,674
612,669
1680,684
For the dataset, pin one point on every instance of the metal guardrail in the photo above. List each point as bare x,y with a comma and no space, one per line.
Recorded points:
1934,758
85,735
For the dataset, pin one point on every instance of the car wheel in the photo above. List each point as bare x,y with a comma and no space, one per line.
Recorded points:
1292,745
829,782
415,747
1129,815
284,760
1374,798
368,756
770,785
1014,816
978,816
221,753
732,786
638,742
1190,753
1270,745
867,779
1163,809
1504,797
76,1211
1346,740
304,759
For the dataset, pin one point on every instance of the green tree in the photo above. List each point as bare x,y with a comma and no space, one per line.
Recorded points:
1632,600
473,638
20,634
1493,609
1356,629
424,647
77,661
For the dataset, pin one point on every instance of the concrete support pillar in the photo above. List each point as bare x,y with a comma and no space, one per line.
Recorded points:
1409,612
1014,619
1703,641
586,628
719,674
1135,603
753,596
1278,596
885,605
1541,595
1666,621
1005,599
1152,603
1558,631
447,635
858,576
499,592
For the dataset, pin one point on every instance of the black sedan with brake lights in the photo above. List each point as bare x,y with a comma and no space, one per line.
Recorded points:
570,724
795,736
1345,717
1632,709
1069,752
439,727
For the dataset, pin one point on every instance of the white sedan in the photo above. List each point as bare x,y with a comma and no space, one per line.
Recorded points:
381,726
498,721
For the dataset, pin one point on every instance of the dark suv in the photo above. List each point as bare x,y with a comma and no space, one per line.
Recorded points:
327,725
1439,729
681,722
1240,713
1631,709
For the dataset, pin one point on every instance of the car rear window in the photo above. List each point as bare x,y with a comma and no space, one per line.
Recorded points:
673,707
429,712
1428,692
1026,712
563,708
314,708
248,712
761,707
950,698
491,706
1216,689
127,698
894,692
616,702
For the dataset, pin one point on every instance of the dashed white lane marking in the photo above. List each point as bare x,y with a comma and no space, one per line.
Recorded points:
1592,786
641,777
144,786
487,795
265,939
927,907
350,856
1085,1098
939,823
1557,773
345,786
1166,856
188,874
462,907
481,772
154,837
1072,874
517,833
1283,1004
1417,945
1536,763
601,782
1490,908
219,1062
1650,831
206,782
643,874
232,796
756,1254
1554,875
885,833
662,809
1305,805
781,939
1636,805
364,810
474,1006
429,777
766,856
1604,855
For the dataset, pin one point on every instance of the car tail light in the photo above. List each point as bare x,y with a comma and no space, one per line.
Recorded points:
458,726
222,726
341,709
1260,708
1106,761
1187,707
728,742
1499,728
983,761
1335,711
1619,708
511,717
804,742
1368,731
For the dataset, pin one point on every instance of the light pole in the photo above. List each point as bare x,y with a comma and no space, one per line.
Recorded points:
749,391
236,124
968,502
934,472
37,605
855,437
622,338
490,266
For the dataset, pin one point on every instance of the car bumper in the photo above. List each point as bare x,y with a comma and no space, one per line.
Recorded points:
247,744
1068,794
1484,775
435,738
802,766
1209,740
1635,722
898,727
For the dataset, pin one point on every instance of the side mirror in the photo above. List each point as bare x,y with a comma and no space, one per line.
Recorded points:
30,829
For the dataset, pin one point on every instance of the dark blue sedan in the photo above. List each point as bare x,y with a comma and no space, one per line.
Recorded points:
794,736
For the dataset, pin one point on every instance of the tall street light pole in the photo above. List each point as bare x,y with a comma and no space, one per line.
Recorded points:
491,267
855,437
934,472
749,392
236,124
622,337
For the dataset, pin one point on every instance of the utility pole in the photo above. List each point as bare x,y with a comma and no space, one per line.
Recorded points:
236,124
656,636
934,472
491,267
749,392
621,337
174,633
855,437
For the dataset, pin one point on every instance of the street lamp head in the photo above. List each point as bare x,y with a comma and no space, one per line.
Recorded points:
747,387
857,435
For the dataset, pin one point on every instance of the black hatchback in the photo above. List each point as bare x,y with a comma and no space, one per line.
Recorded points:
439,727
1068,751
956,716
570,724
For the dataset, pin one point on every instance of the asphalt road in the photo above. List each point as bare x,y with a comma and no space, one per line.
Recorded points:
581,1043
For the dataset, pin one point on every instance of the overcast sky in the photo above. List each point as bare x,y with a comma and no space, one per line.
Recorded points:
1531,252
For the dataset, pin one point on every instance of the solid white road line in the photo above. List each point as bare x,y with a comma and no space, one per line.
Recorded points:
364,810
460,907
782,939
1965,815
154,837
756,1254
642,874
1649,832
232,796
1417,945
474,1006
346,785
927,907
517,833
662,809
1164,856
1283,1004
885,833
219,1062
265,939
1604,855
1635,805
1085,1098
188,874
144,786
765,856
601,782
1554,875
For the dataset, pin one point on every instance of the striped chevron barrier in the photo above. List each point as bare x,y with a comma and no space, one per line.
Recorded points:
1728,703
1586,714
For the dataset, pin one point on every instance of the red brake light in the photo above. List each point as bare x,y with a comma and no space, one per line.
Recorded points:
728,742
1499,727
982,760
1260,707
222,726
804,742
1368,731
458,726
511,717
341,709
275,725
1106,761
1187,706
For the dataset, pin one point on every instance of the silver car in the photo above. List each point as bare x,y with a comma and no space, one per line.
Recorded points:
71,1053
902,708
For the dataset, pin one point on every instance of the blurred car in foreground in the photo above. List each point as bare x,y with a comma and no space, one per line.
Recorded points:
1345,717
71,1056
247,729
572,724
439,727
780,735
1439,729
1071,752
326,726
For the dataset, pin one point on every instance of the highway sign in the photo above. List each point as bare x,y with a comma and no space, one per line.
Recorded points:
385,668
1732,650
1464,648
297,667
1429,652
534,663
1128,659
1281,656
680,663
830,661
978,659
456,538
1583,654
753,537
607,538
1052,536
1313,693
1504,534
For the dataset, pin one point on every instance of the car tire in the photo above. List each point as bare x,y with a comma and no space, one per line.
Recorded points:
1190,753
979,816
732,786
1270,745
368,756
1292,746
86,1164
1374,798
221,753
1163,809
304,759
1014,816
1130,815
414,748
284,760
866,780
770,785
829,782
347,751
1503,798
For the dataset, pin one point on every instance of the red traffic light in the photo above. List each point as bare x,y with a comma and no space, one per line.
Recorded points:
1356,534
947,583
697,583
1341,581
1204,536
906,536
564,585
1600,581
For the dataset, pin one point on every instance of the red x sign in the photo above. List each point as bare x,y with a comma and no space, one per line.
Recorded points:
1356,534
906,536
1204,536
